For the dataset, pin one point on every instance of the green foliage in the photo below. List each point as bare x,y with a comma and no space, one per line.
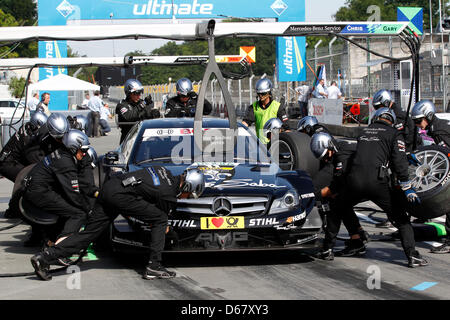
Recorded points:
265,58
86,73
356,10
16,86
7,20
19,13
24,11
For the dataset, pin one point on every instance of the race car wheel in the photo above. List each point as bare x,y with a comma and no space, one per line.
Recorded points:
295,153
431,180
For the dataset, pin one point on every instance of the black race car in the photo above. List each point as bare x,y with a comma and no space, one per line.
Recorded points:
249,202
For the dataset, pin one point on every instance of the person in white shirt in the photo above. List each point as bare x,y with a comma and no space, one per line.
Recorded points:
95,105
85,103
333,91
104,116
43,104
303,97
32,104
320,92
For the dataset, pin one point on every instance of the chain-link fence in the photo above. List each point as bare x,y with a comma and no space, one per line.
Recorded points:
358,73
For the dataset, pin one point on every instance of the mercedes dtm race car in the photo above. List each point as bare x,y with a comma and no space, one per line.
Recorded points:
248,203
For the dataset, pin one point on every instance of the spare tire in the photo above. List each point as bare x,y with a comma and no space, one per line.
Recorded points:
431,181
295,152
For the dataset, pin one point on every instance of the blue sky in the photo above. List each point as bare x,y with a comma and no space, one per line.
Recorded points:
322,10
315,11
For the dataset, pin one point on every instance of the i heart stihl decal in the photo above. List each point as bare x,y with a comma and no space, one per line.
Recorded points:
215,223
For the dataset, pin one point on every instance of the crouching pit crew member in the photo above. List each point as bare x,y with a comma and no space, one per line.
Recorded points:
149,195
380,147
310,126
424,117
335,161
13,157
53,184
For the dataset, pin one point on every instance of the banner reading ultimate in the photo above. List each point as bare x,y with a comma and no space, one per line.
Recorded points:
290,53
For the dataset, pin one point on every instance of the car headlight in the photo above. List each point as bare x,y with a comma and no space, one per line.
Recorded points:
287,202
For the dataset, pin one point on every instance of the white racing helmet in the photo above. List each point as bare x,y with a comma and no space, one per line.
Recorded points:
263,85
57,125
306,124
93,155
423,109
273,124
320,143
385,113
38,119
82,122
194,182
184,86
133,85
75,140
382,98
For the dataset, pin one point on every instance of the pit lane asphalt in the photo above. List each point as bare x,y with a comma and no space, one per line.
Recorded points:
230,275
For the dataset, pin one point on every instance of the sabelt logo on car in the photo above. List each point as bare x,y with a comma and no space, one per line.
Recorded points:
446,179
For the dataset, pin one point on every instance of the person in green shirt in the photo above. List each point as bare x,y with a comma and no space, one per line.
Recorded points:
264,109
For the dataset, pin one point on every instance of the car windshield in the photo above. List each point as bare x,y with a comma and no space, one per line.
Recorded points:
176,145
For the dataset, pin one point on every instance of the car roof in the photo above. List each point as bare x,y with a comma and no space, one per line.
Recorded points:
185,123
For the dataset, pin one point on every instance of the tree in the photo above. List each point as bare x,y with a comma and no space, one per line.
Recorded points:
16,86
7,20
24,13
356,10
86,73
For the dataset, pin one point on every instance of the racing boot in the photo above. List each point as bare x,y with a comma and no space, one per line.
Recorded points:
363,235
34,240
384,224
354,247
444,248
154,270
11,214
41,266
416,260
326,255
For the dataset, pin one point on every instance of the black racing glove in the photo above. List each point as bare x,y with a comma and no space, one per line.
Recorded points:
148,100
193,95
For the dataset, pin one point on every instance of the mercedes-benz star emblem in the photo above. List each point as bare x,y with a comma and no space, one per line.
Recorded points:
222,206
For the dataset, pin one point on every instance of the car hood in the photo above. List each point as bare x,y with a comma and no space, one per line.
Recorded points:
235,178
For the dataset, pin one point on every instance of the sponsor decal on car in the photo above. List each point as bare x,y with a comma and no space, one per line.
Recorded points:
263,222
298,217
176,132
307,195
183,223
241,183
216,223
